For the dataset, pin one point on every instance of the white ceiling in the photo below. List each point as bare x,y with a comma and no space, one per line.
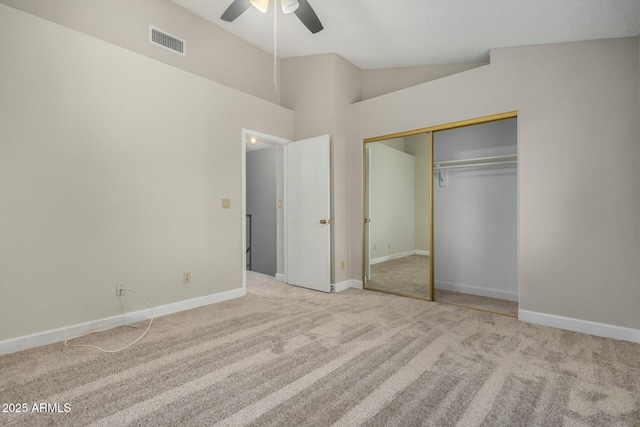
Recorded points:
397,33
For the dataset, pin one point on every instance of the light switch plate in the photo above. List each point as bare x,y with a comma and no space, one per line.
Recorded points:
226,203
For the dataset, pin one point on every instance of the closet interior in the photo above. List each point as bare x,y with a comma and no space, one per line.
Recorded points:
475,216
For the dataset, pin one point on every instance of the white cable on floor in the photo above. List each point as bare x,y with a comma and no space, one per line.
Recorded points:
412,260
103,330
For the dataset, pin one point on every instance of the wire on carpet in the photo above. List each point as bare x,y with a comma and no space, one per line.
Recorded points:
108,329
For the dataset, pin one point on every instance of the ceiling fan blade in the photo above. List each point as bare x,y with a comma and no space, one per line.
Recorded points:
237,8
308,17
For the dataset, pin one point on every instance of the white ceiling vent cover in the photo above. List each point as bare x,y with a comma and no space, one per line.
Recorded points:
168,41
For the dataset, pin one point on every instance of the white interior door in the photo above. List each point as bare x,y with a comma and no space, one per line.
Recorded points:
308,213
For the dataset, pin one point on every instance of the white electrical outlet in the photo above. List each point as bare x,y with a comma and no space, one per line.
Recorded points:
120,289
186,278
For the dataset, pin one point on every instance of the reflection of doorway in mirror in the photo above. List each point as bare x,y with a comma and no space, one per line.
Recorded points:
397,223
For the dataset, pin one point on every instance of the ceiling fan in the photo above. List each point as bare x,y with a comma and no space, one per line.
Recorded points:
301,8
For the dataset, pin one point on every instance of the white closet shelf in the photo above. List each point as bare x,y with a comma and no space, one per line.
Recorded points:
477,162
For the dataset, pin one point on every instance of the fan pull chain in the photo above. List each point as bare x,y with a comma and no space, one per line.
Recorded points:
275,46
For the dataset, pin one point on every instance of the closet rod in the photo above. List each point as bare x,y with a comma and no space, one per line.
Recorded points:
478,162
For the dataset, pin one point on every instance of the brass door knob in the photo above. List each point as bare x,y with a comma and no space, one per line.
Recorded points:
325,221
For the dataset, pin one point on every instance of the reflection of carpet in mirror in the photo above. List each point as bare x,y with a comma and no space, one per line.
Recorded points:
410,276
406,276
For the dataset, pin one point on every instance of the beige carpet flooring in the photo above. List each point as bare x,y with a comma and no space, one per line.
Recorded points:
410,276
286,356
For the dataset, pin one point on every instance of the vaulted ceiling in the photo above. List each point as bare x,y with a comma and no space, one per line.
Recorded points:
397,33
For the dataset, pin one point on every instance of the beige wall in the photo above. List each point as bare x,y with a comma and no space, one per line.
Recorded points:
320,89
378,82
114,175
308,91
347,91
113,167
579,202
211,51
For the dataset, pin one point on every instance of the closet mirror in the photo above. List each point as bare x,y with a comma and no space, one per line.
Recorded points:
397,223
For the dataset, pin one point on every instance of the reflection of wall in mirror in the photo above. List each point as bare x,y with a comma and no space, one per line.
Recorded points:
418,146
391,203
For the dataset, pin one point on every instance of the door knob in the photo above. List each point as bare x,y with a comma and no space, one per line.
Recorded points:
325,221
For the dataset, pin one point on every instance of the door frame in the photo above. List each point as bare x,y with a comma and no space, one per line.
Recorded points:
275,140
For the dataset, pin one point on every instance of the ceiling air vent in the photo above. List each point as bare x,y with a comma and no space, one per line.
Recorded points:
163,39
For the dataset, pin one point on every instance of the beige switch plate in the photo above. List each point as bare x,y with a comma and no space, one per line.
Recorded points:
279,203
226,203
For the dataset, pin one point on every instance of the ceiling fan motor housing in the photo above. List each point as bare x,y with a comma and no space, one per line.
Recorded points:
302,9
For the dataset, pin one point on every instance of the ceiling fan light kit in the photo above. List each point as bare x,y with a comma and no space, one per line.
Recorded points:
289,6
261,5
301,8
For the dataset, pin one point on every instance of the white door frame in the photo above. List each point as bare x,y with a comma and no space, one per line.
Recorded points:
247,133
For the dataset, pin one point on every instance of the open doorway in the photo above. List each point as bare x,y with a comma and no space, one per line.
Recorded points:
261,222
303,207
263,195
303,222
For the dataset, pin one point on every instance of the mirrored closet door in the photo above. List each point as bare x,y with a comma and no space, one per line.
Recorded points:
397,224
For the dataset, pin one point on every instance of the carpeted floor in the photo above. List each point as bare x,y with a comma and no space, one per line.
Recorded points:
410,276
289,356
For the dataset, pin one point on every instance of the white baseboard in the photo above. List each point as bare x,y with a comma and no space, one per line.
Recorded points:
476,290
13,345
351,283
578,325
281,278
423,253
390,257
